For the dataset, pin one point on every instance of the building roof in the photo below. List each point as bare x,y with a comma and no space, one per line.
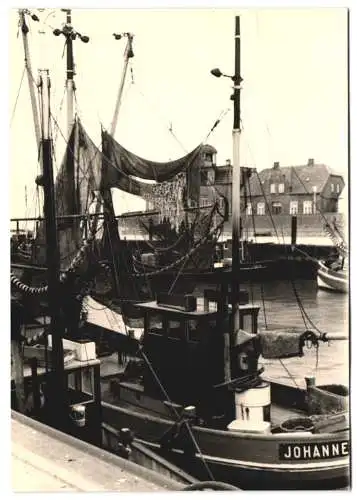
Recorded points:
207,148
301,179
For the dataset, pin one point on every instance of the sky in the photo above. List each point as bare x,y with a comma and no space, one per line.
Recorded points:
294,96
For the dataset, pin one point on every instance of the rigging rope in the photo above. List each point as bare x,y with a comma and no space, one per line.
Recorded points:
147,361
181,259
17,96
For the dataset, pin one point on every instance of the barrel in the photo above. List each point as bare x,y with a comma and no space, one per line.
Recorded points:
254,404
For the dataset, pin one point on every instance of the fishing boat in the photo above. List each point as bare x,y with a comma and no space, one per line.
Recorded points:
332,274
189,385
192,388
55,372
177,255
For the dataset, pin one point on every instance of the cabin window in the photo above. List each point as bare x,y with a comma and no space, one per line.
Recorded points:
249,208
155,324
175,329
307,207
261,208
276,208
281,187
272,188
294,207
193,329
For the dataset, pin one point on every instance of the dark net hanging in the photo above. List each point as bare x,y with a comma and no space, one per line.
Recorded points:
120,165
78,178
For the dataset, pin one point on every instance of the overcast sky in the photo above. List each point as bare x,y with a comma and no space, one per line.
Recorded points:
294,98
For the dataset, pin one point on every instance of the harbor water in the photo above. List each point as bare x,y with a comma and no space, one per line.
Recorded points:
286,304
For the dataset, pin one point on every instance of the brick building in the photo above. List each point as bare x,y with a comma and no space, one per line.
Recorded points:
304,189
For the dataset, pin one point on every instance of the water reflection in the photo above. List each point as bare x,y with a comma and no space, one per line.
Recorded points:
303,304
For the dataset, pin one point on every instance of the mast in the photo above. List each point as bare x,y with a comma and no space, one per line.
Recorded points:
30,78
128,54
236,183
57,392
105,197
70,35
70,73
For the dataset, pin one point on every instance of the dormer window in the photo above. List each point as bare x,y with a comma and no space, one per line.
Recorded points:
337,188
210,177
272,188
281,187
332,188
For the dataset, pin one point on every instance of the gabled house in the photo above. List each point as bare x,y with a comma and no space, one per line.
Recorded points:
216,180
304,189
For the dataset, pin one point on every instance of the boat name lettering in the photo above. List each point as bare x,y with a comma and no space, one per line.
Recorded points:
313,451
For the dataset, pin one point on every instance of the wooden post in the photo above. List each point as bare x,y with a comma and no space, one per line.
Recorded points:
293,229
35,387
18,372
17,369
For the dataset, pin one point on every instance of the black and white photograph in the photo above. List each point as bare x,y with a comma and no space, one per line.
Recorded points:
179,205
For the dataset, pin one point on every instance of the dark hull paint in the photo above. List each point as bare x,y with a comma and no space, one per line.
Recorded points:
249,461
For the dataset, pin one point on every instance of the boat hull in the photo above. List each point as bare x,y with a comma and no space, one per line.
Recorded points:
331,280
249,461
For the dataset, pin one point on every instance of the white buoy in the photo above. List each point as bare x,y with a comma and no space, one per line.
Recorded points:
254,404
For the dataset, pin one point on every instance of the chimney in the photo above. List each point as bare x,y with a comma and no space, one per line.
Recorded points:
276,164
310,162
228,163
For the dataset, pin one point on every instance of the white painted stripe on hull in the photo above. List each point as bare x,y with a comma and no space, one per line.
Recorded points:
322,284
325,465
325,279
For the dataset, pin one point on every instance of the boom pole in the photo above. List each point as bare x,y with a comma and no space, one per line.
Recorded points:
128,54
30,78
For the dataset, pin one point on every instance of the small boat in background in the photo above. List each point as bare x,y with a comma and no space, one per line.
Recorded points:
333,275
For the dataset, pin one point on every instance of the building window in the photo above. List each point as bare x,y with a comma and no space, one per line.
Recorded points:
337,188
249,208
281,187
261,208
307,207
276,208
294,207
205,201
332,188
210,177
272,188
